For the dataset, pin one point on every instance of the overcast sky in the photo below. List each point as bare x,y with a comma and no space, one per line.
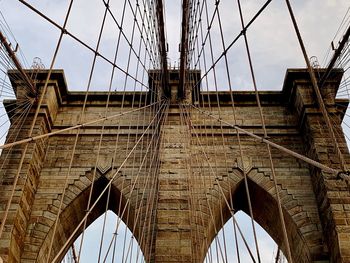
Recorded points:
272,39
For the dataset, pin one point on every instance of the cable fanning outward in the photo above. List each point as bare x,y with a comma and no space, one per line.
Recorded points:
150,116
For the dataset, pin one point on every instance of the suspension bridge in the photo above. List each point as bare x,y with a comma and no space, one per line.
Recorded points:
175,152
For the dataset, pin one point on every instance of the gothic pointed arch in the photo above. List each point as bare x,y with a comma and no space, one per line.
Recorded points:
73,213
305,236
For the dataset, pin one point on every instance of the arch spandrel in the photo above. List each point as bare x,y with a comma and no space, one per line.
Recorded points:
294,179
300,213
40,231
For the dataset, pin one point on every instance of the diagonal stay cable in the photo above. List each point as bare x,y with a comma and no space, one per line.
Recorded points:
120,26
209,25
234,40
106,110
132,106
316,88
211,57
186,116
274,145
18,124
41,136
154,154
41,99
126,206
142,38
80,119
65,31
262,118
221,191
115,152
107,186
139,106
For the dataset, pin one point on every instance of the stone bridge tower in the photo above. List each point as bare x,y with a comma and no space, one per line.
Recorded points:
316,204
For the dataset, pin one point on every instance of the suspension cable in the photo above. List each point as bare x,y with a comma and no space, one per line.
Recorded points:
316,89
